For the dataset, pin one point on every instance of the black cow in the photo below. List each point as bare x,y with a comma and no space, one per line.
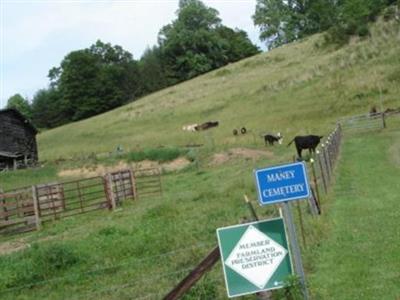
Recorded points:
309,142
271,139
206,125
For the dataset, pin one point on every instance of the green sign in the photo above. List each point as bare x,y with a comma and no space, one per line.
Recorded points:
255,256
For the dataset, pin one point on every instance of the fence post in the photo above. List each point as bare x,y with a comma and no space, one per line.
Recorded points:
159,181
333,139
336,143
317,198
322,171
383,120
133,183
298,264
36,207
329,152
303,236
3,200
110,191
326,163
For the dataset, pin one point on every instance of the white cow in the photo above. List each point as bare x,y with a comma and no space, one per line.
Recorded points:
191,127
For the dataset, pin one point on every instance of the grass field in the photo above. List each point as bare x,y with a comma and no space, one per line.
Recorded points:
360,258
142,250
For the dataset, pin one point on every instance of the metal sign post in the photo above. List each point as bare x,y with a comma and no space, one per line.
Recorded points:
298,264
281,184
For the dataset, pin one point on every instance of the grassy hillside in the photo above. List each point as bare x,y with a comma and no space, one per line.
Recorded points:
299,88
146,247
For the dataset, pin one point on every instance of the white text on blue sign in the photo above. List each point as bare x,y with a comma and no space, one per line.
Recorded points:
283,183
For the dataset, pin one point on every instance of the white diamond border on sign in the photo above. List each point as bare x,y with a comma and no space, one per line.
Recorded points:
255,281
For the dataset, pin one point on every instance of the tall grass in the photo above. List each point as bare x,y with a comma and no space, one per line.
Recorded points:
160,155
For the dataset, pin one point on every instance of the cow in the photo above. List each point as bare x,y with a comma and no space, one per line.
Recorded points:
191,127
309,142
271,139
207,125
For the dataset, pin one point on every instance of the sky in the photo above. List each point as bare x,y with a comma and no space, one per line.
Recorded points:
35,35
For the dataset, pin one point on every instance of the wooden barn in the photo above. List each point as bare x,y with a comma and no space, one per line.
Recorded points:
18,148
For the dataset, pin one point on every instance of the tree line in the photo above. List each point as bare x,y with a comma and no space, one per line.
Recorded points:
99,78
284,21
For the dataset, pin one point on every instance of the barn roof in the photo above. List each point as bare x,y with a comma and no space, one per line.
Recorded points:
21,117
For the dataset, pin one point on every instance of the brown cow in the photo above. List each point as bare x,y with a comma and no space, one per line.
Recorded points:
207,125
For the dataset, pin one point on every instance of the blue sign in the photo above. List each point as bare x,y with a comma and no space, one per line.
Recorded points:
282,183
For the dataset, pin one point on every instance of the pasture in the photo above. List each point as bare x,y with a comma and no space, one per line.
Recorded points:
301,88
142,250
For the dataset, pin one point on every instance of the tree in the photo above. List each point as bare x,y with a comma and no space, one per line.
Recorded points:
236,44
353,18
282,21
48,109
194,43
153,74
21,104
189,44
95,80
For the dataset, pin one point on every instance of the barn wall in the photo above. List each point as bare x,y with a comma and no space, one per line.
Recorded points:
16,136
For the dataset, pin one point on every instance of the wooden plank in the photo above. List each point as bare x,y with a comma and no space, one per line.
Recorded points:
36,208
16,212
205,265
111,193
12,222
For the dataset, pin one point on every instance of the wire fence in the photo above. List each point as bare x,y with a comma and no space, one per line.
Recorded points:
321,171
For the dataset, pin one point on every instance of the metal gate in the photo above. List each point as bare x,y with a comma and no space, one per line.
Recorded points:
122,185
364,122
60,200
17,212
148,182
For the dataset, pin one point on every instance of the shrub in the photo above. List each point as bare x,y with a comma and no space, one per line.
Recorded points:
160,154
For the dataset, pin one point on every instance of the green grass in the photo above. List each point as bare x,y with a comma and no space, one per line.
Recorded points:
160,155
134,245
22,178
360,256
144,249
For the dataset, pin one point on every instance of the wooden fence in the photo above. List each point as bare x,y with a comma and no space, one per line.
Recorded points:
17,212
121,185
26,208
